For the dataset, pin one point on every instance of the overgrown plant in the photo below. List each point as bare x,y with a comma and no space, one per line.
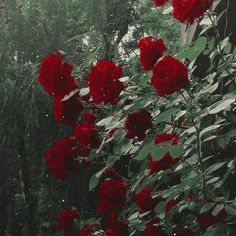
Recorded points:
163,148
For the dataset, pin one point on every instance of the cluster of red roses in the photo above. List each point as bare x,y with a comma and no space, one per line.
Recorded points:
65,221
65,157
104,87
169,75
187,10
113,193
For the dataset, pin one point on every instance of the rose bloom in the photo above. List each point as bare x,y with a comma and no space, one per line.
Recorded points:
137,123
205,220
144,199
104,84
55,75
150,51
87,135
112,195
169,75
159,3
167,161
189,10
88,229
154,230
118,229
60,158
65,220
67,111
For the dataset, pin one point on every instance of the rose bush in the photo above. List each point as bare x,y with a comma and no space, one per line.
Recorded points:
174,172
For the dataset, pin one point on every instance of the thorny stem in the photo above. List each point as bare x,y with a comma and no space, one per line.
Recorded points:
199,148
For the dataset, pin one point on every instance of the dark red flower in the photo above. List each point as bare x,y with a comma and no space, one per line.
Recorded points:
154,230
150,51
67,111
137,123
87,135
171,138
55,75
60,158
167,161
189,10
170,204
205,220
65,220
144,199
169,75
89,117
88,229
109,171
104,84
160,3
112,196
118,229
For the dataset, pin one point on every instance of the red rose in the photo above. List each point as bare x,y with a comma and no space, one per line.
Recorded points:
109,171
88,229
55,75
116,227
137,123
154,230
172,138
104,84
87,135
112,196
189,10
160,3
89,117
68,111
60,158
65,220
169,75
167,161
170,204
205,220
144,199
150,51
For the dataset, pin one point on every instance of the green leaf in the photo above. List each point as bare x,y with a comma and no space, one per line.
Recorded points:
176,151
220,106
93,182
158,152
209,129
207,207
215,167
192,52
165,116
159,209
230,210
144,152
217,209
